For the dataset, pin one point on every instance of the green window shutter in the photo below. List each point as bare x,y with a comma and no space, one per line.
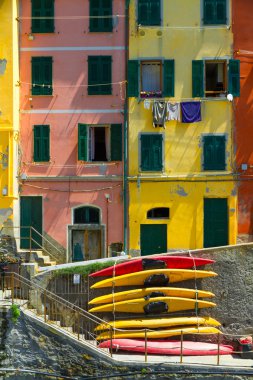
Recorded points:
133,78
214,153
151,153
99,10
99,75
45,143
43,8
41,144
106,75
42,75
234,77
169,78
221,12
82,142
215,12
197,79
116,142
149,12
209,12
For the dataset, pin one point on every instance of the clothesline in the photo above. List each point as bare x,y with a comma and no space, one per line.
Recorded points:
152,100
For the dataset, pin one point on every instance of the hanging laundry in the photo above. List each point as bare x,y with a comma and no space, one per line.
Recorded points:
191,112
173,110
147,104
159,114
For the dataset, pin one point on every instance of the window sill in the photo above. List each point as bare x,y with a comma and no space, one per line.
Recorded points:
150,94
32,32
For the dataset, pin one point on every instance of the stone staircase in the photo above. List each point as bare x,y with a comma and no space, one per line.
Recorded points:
38,256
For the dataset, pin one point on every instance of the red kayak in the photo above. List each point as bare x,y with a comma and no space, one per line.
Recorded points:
159,262
167,347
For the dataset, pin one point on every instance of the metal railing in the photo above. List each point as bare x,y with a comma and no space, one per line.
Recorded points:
33,241
79,323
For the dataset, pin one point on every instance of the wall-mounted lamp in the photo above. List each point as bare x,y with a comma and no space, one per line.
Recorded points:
5,191
107,196
30,37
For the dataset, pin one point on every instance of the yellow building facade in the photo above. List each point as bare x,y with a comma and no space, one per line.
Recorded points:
182,193
9,110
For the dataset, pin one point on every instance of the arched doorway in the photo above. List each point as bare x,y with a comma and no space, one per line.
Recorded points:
86,234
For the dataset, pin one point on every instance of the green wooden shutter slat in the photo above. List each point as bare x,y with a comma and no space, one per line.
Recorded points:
151,152
214,153
106,75
99,9
41,143
155,12
209,12
221,12
42,75
197,79
149,12
133,78
99,75
45,154
43,8
169,78
82,142
116,142
234,77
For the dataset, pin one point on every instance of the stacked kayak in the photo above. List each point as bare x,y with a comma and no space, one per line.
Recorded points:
155,299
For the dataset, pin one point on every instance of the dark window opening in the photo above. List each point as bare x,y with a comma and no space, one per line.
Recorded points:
158,213
99,144
86,215
216,79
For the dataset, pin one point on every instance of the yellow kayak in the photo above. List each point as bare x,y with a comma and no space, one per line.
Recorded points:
141,293
155,277
157,323
156,305
158,334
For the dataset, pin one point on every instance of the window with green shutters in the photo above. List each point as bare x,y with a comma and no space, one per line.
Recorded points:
41,134
100,10
151,152
215,78
42,16
151,79
42,76
149,12
214,12
98,143
99,75
214,148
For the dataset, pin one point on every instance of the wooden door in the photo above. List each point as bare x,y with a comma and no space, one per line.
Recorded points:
30,215
153,239
215,222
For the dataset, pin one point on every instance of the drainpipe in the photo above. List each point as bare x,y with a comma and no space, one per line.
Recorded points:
125,134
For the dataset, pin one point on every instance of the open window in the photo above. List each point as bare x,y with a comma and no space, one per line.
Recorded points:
216,78
100,143
158,213
151,79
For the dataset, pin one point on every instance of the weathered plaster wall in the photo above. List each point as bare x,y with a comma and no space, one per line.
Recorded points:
243,50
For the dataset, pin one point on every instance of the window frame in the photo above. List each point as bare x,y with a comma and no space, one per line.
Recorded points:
87,208
228,17
42,29
225,76
222,135
142,93
140,152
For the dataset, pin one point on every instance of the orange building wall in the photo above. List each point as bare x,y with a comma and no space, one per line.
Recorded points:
243,50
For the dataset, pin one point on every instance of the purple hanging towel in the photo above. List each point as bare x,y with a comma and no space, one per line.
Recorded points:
191,112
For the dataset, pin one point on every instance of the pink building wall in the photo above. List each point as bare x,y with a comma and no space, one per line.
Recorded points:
64,182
